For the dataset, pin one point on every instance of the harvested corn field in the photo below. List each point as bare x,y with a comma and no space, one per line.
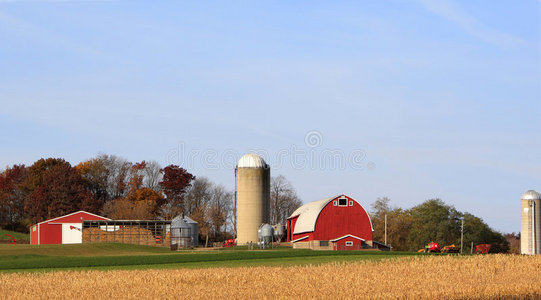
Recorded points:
433,277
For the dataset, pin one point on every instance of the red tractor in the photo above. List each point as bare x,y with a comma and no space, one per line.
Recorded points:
432,247
229,243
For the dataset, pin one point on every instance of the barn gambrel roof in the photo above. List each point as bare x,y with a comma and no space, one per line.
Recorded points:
309,213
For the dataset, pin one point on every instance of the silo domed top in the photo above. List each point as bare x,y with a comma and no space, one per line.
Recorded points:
531,195
251,160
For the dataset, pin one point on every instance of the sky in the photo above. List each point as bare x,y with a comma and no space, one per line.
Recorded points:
410,100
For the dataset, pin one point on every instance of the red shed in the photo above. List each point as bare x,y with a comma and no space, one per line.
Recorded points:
62,230
338,223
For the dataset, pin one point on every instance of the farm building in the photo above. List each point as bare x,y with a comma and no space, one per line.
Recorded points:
62,230
139,232
335,223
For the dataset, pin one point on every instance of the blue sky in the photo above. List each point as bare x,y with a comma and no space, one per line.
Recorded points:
415,99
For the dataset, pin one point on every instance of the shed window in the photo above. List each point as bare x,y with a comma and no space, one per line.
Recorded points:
342,202
334,202
323,243
350,203
349,243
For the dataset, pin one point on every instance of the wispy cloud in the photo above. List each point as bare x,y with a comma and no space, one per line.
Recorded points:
24,29
448,10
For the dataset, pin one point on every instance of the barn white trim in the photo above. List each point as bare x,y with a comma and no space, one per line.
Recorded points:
347,235
299,239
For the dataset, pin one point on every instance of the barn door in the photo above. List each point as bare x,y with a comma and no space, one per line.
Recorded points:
72,233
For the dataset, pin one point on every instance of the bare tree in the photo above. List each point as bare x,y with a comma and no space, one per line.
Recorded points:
152,175
220,209
118,174
211,206
284,200
197,195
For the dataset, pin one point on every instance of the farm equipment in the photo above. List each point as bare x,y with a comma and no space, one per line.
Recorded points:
432,247
12,238
482,248
229,243
450,249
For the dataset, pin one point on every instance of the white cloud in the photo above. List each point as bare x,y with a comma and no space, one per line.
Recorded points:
448,10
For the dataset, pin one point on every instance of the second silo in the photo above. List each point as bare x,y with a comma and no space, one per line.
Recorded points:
530,229
252,196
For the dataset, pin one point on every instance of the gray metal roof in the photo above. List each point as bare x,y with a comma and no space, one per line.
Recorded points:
189,220
178,222
531,195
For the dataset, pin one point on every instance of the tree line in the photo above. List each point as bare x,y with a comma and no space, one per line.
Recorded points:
432,221
114,187
119,189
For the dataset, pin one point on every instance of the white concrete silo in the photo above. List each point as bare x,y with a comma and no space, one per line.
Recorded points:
530,223
252,196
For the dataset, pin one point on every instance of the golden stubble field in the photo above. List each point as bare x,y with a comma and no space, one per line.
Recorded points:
434,277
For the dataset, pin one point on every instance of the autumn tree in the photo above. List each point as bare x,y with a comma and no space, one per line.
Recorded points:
140,202
399,224
125,209
283,200
96,175
54,188
174,184
513,240
12,198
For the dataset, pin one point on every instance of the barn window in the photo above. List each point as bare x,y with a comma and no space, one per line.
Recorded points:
342,202
350,203
323,243
349,243
334,202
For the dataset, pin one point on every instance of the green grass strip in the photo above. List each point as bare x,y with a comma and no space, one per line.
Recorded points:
21,262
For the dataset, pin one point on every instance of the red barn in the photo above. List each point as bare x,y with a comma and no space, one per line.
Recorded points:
336,223
62,230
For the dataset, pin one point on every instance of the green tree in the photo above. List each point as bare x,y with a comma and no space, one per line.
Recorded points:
435,221
399,223
478,232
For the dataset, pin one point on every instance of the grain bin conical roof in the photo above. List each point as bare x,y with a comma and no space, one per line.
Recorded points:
178,222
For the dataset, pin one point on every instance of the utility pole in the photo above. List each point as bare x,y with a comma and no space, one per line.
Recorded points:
385,229
461,235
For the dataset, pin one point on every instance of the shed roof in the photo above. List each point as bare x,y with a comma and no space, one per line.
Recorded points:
58,219
309,213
